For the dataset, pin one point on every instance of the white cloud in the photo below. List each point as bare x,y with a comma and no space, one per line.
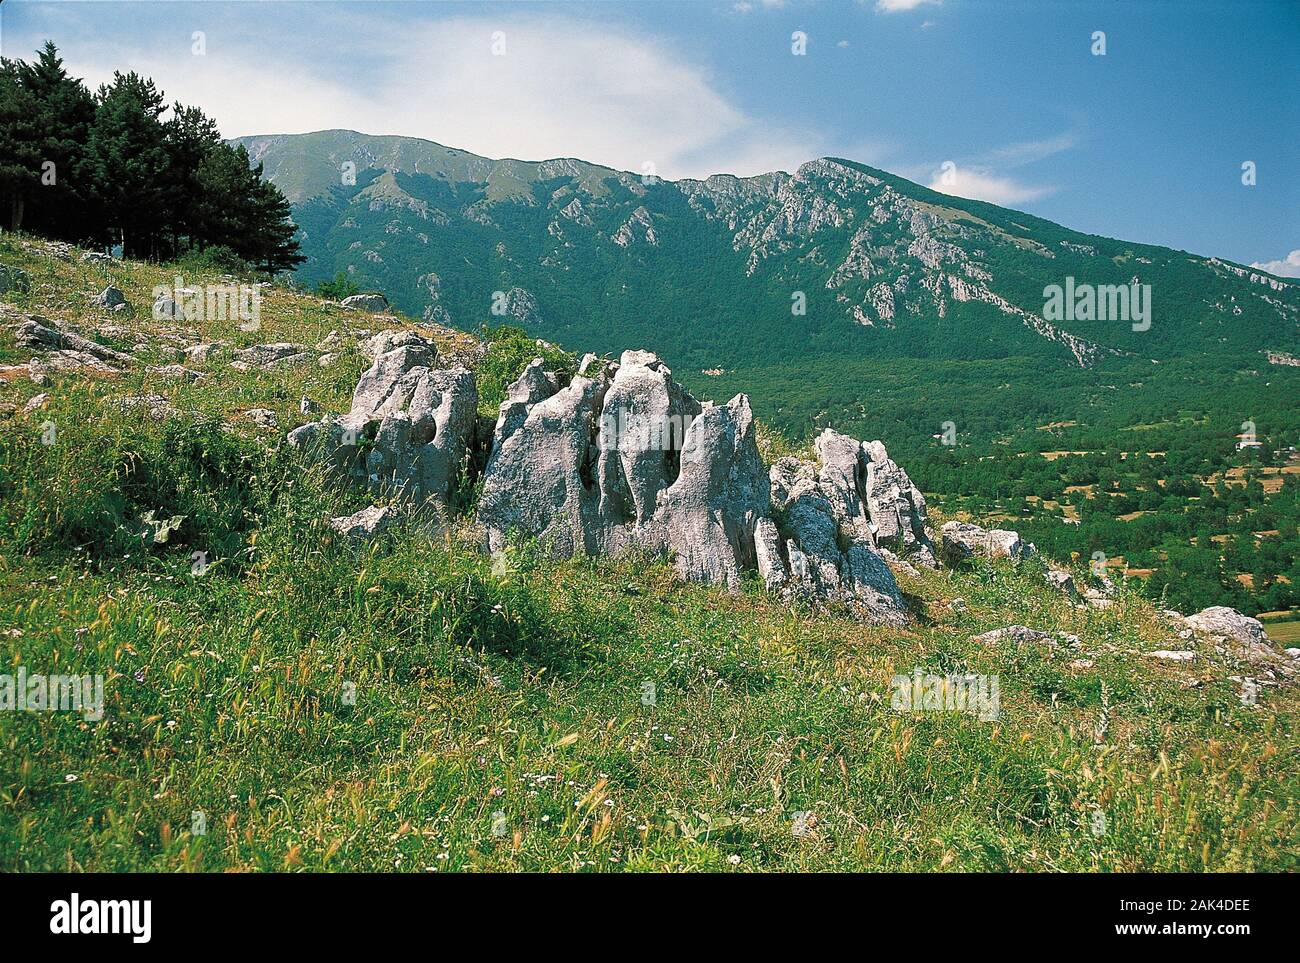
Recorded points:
984,186
1288,267
895,6
1026,152
564,88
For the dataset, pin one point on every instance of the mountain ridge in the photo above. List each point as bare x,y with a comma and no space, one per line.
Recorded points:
836,265
249,140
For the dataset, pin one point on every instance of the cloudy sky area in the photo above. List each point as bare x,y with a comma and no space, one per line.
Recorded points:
1144,143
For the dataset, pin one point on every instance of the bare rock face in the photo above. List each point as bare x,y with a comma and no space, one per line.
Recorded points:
621,459
962,540
825,548
711,511
411,425
896,506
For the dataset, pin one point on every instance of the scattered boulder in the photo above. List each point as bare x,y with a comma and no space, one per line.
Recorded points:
328,359
165,308
66,349
365,524
176,372
200,353
14,279
1020,634
262,417
267,356
1243,638
1062,581
1227,622
373,303
1171,655
96,257
36,403
111,299
155,407
307,407
410,426
1100,598
962,541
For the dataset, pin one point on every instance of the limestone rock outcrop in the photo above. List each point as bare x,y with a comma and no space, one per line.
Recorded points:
896,506
411,425
623,458
962,540
821,542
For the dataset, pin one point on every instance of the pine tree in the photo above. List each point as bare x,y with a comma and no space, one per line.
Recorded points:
64,110
245,213
127,155
190,136
19,150
108,167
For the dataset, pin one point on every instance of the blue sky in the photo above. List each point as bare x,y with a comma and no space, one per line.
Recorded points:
1146,142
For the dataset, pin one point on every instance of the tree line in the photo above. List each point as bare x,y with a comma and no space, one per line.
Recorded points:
119,167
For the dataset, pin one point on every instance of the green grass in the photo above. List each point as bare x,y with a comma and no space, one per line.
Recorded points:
413,706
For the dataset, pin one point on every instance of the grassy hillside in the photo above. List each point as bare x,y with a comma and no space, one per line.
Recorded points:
412,705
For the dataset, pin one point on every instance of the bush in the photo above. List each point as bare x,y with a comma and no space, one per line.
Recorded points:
509,352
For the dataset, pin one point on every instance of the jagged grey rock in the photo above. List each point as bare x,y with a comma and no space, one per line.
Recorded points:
374,303
365,524
1062,581
268,356
896,506
410,426
623,458
110,299
962,540
386,341
826,540
1228,622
